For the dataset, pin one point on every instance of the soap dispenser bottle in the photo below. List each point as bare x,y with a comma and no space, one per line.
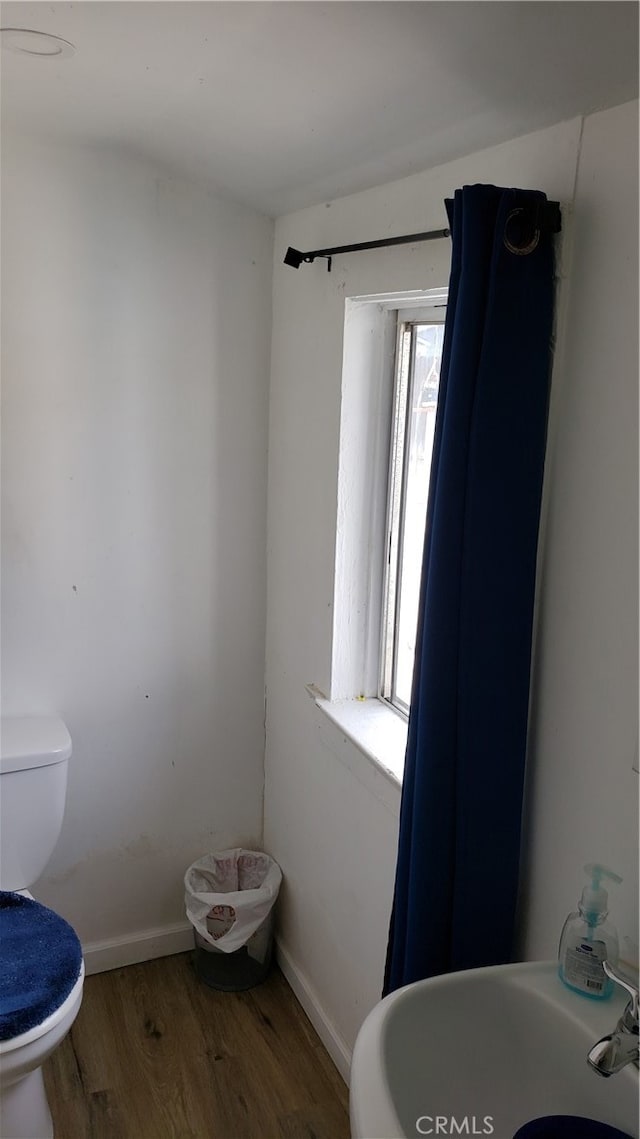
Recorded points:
587,939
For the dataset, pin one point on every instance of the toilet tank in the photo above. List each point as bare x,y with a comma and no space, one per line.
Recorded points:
34,756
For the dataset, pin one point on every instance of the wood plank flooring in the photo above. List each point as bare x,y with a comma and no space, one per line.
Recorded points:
156,1054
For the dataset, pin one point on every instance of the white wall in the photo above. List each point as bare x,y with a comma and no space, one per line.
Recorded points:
135,349
333,834
583,794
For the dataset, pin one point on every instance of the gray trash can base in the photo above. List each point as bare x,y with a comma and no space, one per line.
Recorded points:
240,970
235,973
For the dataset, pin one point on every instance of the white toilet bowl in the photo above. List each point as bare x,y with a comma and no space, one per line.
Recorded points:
41,967
24,1111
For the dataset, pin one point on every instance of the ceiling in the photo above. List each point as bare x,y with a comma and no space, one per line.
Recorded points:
282,105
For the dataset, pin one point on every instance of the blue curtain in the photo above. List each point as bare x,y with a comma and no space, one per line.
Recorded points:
459,846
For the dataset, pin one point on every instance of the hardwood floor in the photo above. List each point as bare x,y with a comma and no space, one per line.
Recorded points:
156,1054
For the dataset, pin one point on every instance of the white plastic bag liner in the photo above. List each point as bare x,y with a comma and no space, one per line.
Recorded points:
229,894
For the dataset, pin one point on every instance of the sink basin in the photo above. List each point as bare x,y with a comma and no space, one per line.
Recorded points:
496,1047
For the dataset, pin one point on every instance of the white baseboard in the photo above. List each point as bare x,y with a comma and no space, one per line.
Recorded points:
131,948
330,1037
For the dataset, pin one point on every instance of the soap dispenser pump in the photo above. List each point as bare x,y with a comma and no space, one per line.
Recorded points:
587,939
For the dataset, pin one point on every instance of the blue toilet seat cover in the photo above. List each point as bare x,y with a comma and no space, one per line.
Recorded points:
40,962
568,1127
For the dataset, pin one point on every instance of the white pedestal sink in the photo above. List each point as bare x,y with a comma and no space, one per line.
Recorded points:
496,1047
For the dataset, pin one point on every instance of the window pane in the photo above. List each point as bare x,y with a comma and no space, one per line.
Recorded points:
395,505
423,397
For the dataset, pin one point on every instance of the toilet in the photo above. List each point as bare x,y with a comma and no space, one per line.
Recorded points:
41,966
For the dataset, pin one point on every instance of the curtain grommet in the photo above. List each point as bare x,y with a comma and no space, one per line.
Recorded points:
519,250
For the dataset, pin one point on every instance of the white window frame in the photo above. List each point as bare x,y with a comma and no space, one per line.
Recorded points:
433,313
353,702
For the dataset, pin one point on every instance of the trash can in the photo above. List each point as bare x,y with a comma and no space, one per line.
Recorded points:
229,898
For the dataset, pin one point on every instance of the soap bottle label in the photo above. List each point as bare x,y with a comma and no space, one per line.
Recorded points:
583,967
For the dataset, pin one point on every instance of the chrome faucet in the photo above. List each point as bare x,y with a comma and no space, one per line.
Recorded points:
611,1054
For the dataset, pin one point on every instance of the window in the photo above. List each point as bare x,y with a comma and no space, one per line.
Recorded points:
390,368
417,373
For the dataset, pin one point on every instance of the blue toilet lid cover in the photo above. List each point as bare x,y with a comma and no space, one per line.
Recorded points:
568,1127
40,962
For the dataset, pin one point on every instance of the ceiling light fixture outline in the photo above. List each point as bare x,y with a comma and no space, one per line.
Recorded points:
63,48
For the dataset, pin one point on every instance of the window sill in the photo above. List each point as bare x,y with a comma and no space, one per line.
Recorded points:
376,730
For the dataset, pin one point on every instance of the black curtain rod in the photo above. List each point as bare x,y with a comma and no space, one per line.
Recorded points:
546,219
295,258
